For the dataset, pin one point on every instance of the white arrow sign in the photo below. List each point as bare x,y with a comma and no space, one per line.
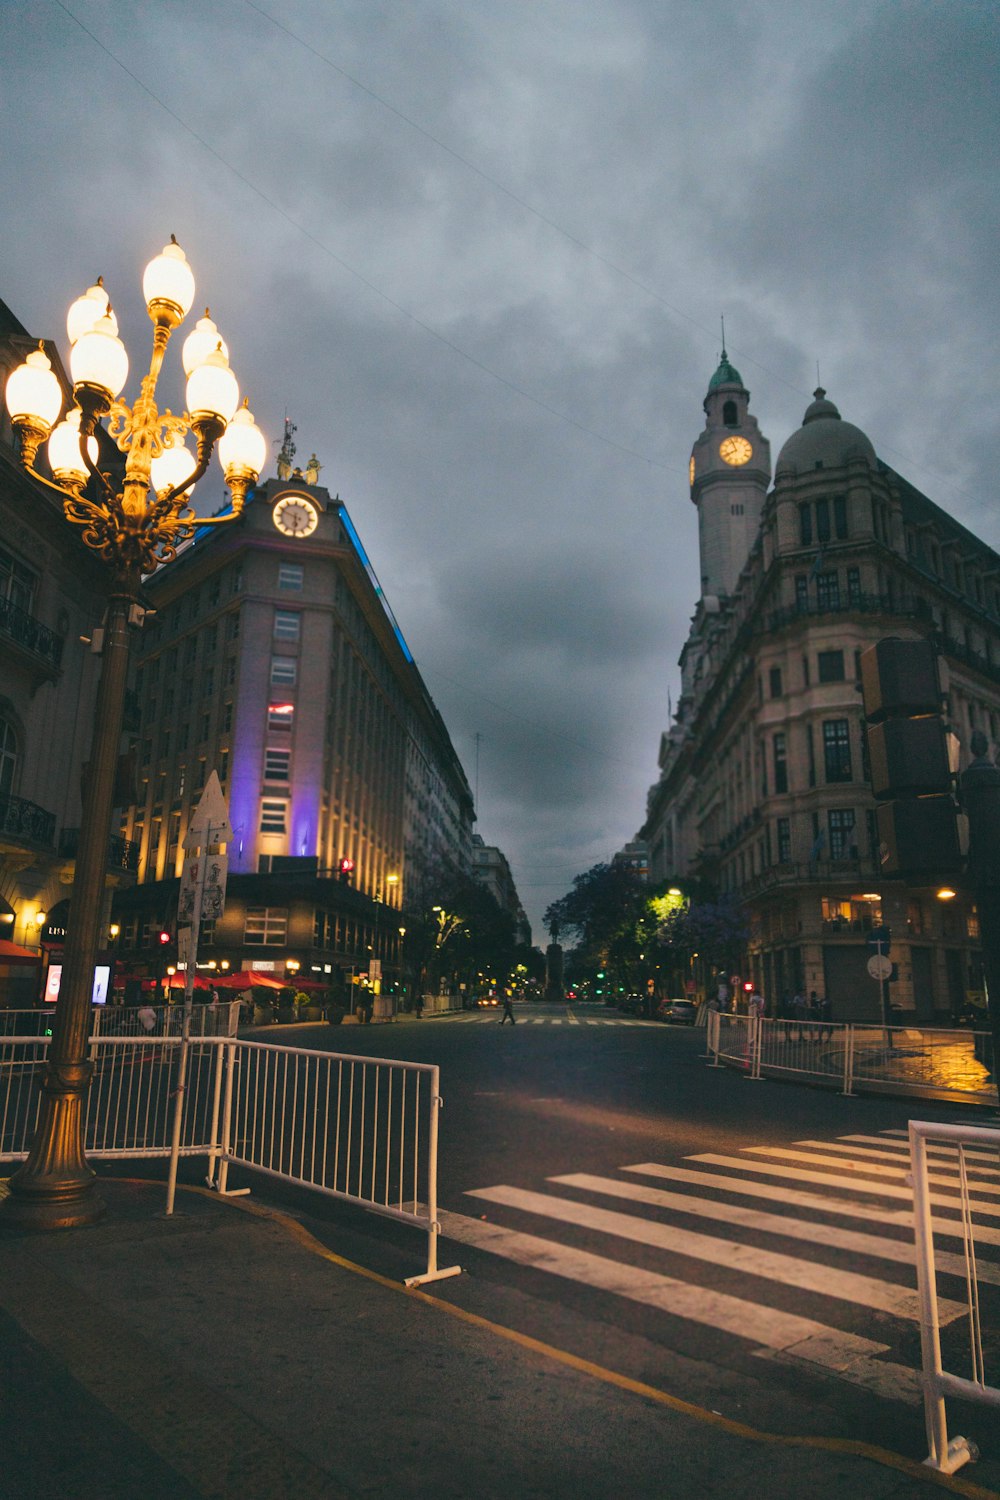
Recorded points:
210,822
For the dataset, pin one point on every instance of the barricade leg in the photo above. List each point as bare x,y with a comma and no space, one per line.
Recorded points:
227,1126
433,1227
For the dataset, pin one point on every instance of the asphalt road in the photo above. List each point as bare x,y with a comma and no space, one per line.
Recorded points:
604,1190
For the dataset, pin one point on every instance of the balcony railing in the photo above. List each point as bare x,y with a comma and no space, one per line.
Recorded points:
123,854
26,821
18,626
813,872
844,603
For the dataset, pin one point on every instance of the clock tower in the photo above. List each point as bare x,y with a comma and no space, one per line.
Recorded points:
730,471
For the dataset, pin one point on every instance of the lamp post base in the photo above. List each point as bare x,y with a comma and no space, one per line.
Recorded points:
66,1205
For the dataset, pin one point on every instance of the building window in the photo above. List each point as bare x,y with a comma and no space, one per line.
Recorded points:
831,666
805,525
915,918
822,520
265,926
837,750
280,717
840,823
208,683
780,763
284,671
227,718
276,763
730,417
774,679
854,585
811,753
273,816
9,758
210,637
190,647
827,591
784,841
230,674
840,517
801,593
287,625
290,576
232,625
183,736
17,583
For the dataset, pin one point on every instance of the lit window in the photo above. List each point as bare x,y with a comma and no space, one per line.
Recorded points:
265,925
280,717
273,817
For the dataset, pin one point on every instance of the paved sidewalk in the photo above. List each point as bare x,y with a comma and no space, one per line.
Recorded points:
224,1353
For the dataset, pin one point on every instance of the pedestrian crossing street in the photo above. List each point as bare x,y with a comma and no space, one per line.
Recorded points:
484,1017
806,1239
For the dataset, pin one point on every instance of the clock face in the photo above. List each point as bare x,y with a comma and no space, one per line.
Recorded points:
691,470
735,451
295,515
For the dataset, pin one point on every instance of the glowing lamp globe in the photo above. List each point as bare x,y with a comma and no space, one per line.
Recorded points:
199,344
98,359
65,458
168,283
242,447
88,310
212,390
34,395
172,467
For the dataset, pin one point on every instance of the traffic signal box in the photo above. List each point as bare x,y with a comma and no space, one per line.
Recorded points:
908,758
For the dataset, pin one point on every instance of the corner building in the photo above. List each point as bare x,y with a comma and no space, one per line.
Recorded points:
763,788
275,660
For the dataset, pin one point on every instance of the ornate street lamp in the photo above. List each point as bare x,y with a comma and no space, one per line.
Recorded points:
135,523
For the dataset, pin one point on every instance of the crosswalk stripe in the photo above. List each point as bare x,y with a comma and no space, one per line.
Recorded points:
845,1164
866,1153
853,1184
573,1020
810,1276
775,1193
846,1354
934,1148
877,1246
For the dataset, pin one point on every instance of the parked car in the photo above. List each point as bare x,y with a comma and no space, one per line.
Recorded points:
681,1011
631,1005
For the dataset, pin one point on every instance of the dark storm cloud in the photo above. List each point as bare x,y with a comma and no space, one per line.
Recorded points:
819,172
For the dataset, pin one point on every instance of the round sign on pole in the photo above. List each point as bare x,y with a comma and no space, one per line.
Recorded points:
879,967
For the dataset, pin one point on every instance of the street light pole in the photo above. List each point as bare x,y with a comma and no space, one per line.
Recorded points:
135,526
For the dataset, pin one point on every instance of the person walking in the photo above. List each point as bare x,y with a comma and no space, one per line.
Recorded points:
824,1014
508,1011
800,1010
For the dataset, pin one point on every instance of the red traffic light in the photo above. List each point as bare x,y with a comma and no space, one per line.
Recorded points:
164,937
346,866
747,984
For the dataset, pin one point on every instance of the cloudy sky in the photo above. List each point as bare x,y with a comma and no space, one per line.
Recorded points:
478,250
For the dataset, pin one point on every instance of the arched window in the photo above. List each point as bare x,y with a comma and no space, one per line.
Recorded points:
8,757
730,416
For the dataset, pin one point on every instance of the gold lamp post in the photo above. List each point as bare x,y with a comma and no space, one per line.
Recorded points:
135,523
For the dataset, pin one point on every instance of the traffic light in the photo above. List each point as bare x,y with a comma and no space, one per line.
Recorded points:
908,758
346,868
164,938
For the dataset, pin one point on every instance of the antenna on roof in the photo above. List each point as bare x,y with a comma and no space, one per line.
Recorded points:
722,318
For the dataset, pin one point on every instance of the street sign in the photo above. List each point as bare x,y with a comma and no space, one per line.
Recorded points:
880,967
211,818
213,895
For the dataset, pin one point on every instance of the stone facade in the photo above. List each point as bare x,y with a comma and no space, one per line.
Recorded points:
763,788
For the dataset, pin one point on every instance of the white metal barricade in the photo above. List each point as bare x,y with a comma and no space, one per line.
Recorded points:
363,1130
925,1062
360,1129
937,1382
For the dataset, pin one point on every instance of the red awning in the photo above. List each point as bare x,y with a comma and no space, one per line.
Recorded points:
10,953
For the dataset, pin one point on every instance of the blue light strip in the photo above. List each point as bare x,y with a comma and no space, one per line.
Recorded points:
366,564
